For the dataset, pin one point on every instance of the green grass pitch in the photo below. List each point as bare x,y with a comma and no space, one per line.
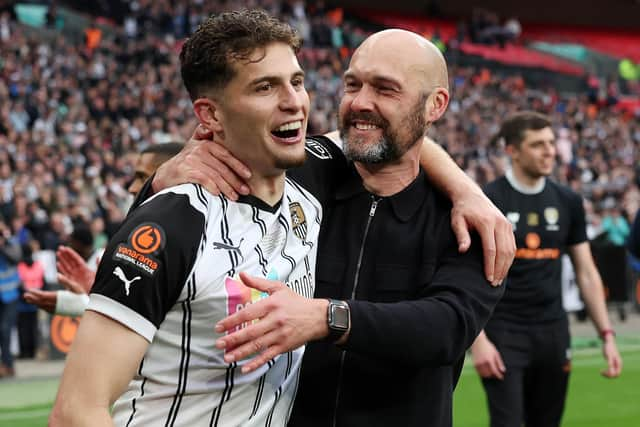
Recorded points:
593,401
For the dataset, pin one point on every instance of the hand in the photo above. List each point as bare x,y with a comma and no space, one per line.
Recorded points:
487,359
45,300
73,272
287,321
474,211
207,163
612,356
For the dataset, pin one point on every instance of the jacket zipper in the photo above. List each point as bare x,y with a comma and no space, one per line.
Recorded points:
372,212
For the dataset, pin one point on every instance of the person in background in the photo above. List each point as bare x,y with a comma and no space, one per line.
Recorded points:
77,275
31,274
524,353
10,254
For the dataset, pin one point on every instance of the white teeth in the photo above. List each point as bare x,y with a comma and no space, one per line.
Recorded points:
290,126
365,126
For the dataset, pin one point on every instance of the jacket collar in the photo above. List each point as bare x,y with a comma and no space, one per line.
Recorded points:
404,204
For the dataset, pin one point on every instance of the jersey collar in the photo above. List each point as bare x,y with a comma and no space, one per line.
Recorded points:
537,189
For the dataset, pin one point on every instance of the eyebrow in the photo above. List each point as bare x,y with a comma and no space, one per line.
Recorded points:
274,78
376,79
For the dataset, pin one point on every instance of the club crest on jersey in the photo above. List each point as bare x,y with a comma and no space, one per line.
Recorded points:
513,218
532,219
145,240
551,215
298,220
317,149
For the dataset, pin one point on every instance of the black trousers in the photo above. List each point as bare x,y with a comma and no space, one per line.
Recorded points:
28,333
534,388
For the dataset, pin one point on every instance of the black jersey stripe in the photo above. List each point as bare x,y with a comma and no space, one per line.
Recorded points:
226,394
256,403
173,410
279,390
190,296
133,402
261,260
224,234
203,197
283,221
256,218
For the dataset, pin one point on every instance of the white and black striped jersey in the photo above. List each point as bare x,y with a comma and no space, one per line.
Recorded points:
171,272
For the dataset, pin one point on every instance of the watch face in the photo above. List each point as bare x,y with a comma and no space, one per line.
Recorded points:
340,318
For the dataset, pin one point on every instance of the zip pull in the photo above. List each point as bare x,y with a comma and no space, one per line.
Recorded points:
374,206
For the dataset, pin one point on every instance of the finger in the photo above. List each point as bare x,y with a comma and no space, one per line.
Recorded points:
461,231
264,285
244,335
488,237
253,312
252,347
70,285
262,359
496,369
505,251
231,162
73,258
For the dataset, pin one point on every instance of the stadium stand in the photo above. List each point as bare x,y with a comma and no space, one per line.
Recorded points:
73,115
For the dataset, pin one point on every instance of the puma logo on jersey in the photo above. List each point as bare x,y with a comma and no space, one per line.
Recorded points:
234,249
127,283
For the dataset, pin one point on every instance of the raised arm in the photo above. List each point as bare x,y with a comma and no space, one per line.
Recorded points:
103,359
472,210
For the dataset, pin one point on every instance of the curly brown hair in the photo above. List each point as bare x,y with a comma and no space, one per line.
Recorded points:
207,57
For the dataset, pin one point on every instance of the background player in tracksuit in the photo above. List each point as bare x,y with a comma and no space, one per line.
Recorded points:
387,253
175,266
523,356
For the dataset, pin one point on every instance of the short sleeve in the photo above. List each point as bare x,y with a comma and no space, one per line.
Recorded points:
578,227
324,169
147,262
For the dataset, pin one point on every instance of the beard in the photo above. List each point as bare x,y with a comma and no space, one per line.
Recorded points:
393,143
288,162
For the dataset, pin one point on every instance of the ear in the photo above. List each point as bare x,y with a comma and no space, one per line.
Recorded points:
208,114
436,104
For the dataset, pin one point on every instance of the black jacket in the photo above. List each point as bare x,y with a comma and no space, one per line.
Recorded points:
418,306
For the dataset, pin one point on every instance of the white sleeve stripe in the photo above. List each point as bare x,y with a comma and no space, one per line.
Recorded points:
122,314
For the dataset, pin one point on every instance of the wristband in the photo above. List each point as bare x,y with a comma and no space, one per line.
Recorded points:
605,332
70,304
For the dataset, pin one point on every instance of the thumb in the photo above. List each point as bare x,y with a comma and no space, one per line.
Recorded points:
264,285
461,231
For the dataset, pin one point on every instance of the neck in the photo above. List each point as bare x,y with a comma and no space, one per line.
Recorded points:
525,183
269,189
387,179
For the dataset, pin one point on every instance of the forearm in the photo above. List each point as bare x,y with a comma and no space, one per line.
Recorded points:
436,329
445,174
592,291
68,413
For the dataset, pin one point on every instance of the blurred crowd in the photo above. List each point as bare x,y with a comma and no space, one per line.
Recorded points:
73,117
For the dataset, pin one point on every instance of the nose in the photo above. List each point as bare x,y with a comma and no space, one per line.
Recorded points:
292,98
134,187
362,99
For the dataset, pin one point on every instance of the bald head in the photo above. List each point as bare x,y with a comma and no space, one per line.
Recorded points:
408,49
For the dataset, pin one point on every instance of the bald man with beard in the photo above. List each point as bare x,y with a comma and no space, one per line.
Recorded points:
396,304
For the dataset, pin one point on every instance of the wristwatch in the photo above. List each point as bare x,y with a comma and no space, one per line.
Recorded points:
338,319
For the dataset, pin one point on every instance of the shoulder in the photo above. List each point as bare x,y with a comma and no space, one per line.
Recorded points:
497,186
324,147
564,192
